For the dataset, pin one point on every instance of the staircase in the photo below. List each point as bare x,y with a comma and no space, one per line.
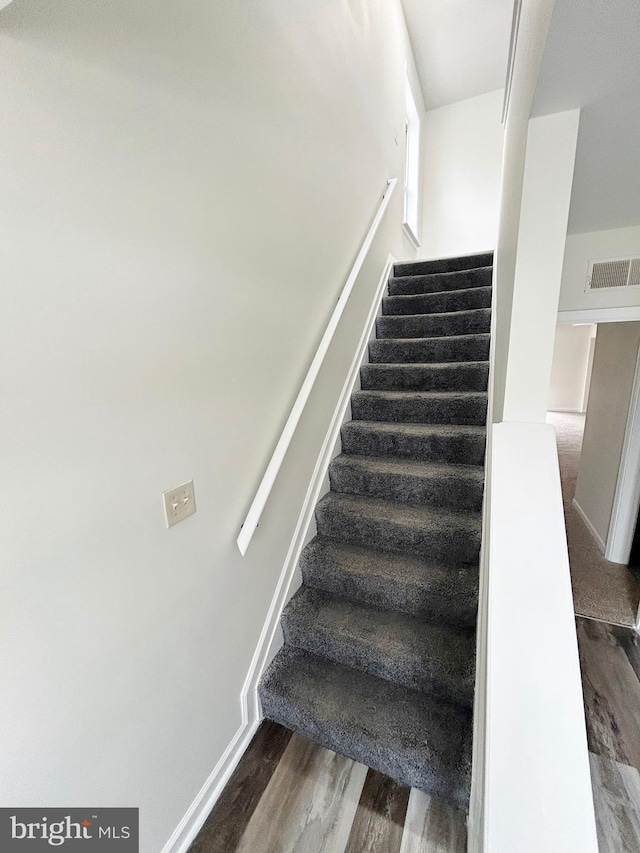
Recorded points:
379,653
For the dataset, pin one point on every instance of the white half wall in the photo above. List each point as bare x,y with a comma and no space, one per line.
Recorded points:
597,245
537,767
461,176
183,191
614,365
570,368
546,196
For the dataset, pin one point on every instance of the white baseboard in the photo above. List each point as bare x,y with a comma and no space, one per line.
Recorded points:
268,644
590,527
206,798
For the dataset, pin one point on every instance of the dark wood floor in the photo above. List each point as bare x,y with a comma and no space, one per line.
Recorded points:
289,795
610,664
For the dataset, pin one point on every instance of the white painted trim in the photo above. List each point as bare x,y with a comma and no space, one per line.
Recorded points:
626,501
599,315
476,829
569,411
590,527
265,648
513,41
411,237
198,811
269,477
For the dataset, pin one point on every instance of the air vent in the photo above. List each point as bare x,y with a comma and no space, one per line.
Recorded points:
613,273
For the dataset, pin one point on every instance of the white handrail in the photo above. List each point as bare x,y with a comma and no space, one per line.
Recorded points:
264,489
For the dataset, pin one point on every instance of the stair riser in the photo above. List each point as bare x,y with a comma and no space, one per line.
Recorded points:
455,544
443,265
434,303
413,773
414,410
401,668
424,351
461,492
450,377
414,284
426,325
456,449
454,604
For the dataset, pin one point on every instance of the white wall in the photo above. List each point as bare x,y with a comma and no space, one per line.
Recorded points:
538,782
461,176
614,366
182,193
491,744
597,245
530,38
570,368
546,196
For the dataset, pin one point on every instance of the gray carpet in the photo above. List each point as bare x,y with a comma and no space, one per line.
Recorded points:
601,589
379,654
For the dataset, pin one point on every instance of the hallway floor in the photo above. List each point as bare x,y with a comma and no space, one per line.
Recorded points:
289,795
610,665
601,589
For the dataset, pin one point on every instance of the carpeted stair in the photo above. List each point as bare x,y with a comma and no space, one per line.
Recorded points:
379,652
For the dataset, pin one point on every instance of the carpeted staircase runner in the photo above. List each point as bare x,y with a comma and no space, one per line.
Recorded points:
379,653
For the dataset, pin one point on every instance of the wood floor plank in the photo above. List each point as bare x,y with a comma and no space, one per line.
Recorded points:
432,826
231,814
611,695
379,820
616,797
308,805
630,642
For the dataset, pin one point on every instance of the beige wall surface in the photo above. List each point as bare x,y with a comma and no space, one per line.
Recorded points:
569,368
614,365
183,190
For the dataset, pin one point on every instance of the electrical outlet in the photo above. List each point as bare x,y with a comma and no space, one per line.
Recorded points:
179,503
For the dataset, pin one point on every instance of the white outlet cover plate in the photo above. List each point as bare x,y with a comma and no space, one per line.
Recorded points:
179,503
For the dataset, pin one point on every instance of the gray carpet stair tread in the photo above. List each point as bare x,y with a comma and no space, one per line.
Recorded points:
408,481
434,376
430,349
424,656
438,301
439,265
405,734
447,535
458,407
475,321
379,652
438,442
399,582
434,282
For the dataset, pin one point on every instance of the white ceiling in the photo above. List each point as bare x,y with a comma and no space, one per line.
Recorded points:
592,61
460,46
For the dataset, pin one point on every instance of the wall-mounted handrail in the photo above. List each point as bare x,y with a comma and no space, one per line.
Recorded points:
264,489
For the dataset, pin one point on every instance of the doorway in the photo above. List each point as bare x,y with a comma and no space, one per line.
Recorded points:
592,383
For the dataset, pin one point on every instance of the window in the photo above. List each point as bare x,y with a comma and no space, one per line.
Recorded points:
412,168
